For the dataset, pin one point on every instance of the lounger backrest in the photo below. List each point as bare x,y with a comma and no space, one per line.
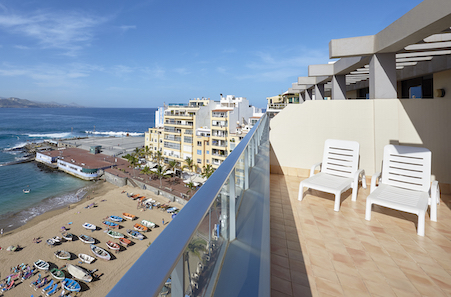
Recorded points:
407,167
340,157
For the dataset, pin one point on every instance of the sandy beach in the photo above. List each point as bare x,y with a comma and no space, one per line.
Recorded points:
109,200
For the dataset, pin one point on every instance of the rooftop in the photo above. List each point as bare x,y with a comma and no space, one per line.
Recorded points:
82,158
316,251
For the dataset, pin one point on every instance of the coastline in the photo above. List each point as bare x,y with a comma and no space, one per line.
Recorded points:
110,200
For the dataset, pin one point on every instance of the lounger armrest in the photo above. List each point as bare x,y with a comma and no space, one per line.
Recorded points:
374,179
360,174
435,199
312,170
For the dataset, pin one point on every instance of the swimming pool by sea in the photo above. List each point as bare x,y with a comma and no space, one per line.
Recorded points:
51,190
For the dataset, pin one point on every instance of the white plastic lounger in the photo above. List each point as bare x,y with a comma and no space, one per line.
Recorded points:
405,184
339,171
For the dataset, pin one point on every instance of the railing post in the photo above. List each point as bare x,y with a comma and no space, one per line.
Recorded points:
246,169
232,204
177,279
252,154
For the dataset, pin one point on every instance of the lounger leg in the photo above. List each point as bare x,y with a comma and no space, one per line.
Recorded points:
301,192
337,201
369,204
355,190
421,223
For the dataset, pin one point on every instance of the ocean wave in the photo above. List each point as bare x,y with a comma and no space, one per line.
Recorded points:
20,218
16,146
50,135
112,133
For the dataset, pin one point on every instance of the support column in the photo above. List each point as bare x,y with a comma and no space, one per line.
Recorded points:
339,87
383,76
319,92
301,96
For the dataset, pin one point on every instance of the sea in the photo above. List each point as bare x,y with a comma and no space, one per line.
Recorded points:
53,189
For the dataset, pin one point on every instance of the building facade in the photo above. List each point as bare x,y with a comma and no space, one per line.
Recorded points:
204,130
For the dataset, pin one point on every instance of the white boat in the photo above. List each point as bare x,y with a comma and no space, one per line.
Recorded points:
99,252
86,258
89,226
63,255
67,236
57,273
56,239
86,239
115,234
26,191
41,264
135,234
148,224
79,272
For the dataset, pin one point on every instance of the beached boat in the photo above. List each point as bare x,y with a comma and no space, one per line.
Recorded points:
128,216
57,273
86,258
71,285
79,272
63,255
56,239
110,224
99,252
67,236
86,239
11,248
116,218
124,241
171,210
112,245
114,234
139,227
89,226
148,224
135,234
41,264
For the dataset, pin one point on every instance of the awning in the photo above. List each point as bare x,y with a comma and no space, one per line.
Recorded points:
151,164
169,172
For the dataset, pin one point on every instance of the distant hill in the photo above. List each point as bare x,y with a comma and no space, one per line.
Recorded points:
24,103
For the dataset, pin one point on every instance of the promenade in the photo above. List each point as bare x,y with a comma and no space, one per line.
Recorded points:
111,146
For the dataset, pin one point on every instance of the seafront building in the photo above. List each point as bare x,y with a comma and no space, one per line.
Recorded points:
270,244
204,130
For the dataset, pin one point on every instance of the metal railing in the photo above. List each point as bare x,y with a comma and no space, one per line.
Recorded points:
188,256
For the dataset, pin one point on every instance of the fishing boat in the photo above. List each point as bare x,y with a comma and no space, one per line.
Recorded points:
50,241
11,248
171,210
89,226
135,234
63,255
57,273
67,236
129,216
116,218
124,241
112,245
148,224
56,239
110,224
99,252
79,272
86,258
41,264
86,239
139,227
71,285
26,191
114,234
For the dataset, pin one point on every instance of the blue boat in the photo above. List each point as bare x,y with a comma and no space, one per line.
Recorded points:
116,218
110,224
71,285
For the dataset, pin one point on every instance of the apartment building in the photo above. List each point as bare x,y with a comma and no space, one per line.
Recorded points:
204,130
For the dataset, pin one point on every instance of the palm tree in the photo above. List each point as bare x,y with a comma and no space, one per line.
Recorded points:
160,173
133,160
158,156
146,170
189,164
191,187
173,165
208,171
196,246
146,152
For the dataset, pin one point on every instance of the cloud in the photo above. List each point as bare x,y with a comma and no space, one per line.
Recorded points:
126,28
67,31
182,71
22,47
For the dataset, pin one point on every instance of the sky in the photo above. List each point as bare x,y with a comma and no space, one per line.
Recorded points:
141,54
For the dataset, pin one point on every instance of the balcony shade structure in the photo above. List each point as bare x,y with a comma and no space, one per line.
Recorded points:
219,238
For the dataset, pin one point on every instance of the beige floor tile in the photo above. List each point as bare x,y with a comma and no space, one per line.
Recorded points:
326,286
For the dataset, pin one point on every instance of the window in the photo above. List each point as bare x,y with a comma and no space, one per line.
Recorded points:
208,152
199,143
208,161
199,161
199,152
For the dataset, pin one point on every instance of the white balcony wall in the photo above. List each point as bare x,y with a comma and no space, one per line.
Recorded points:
298,132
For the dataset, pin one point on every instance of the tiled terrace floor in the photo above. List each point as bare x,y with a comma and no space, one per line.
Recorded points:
316,251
